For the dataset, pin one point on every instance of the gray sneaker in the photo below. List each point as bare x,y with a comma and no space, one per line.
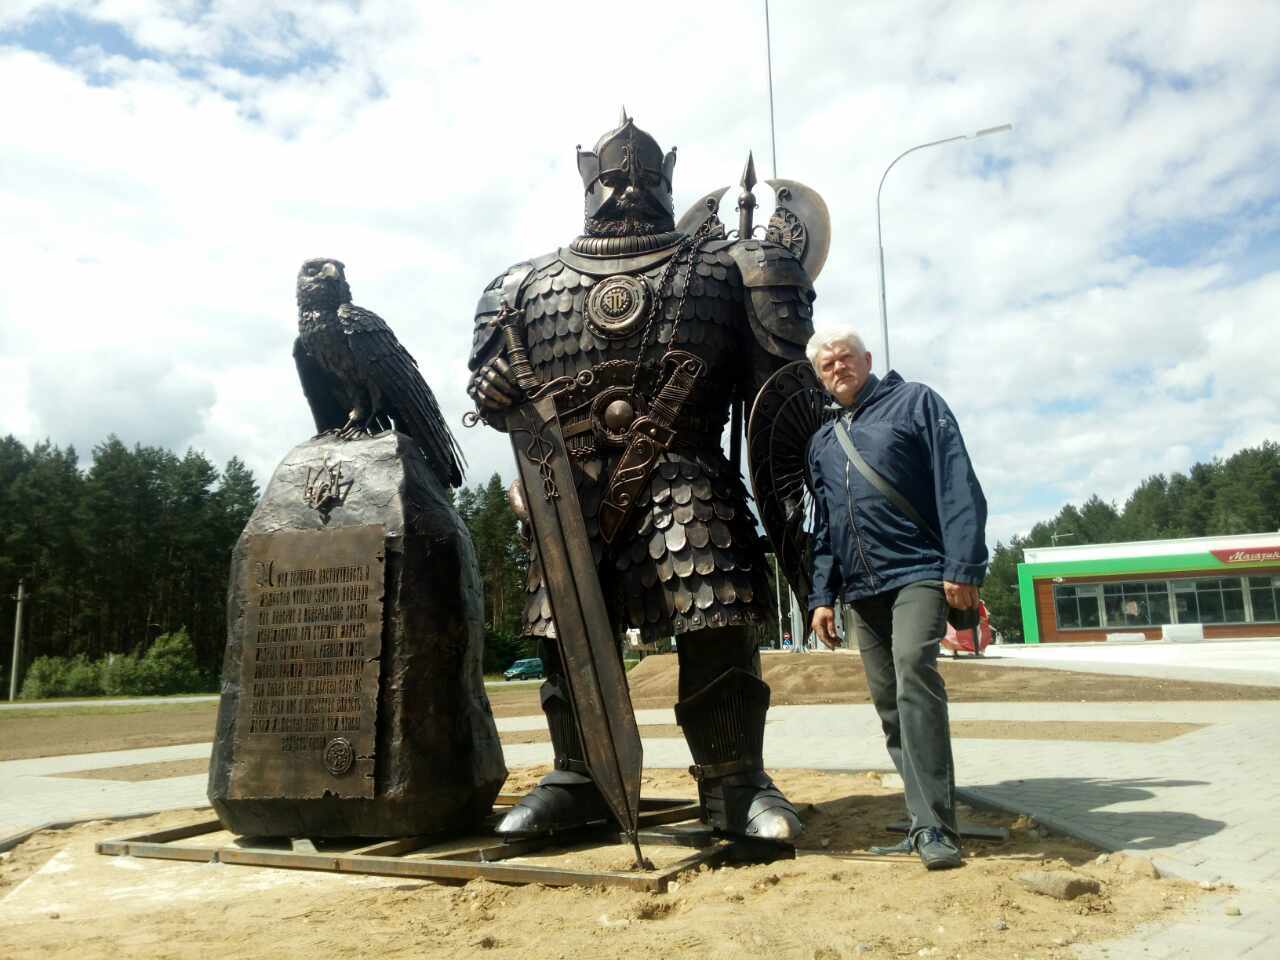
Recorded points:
937,850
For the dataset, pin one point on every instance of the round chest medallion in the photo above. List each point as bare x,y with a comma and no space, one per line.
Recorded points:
339,756
616,305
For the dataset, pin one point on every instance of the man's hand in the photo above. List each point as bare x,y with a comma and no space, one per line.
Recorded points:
492,388
962,596
824,627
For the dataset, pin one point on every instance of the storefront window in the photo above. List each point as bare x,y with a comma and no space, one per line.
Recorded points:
1077,606
1220,600
1264,594
1141,603
1152,603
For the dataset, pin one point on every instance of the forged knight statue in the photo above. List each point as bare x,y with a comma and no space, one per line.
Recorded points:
656,331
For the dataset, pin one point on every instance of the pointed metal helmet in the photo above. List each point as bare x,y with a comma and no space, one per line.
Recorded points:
626,156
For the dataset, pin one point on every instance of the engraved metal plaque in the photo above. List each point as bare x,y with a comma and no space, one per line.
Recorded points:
311,641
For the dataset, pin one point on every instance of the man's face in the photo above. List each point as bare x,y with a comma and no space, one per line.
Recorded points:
843,371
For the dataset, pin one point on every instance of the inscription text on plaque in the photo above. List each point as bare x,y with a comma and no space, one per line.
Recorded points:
311,642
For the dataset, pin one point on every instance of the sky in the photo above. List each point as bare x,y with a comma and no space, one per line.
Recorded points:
1096,293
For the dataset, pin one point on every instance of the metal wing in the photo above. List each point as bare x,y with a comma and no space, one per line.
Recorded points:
707,206
788,410
800,221
320,387
399,392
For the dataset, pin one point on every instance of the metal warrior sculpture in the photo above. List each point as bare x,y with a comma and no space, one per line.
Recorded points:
614,364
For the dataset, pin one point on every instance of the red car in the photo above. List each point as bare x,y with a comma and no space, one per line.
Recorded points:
958,641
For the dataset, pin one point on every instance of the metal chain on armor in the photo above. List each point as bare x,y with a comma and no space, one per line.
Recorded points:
688,250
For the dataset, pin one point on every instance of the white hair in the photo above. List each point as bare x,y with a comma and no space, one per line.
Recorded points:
826,339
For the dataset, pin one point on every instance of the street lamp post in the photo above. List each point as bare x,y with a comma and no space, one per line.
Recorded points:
884,312
17,639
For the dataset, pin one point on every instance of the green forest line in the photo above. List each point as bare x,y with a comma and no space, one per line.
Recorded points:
137,546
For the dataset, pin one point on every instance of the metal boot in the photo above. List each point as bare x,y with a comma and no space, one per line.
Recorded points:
723,724
566,798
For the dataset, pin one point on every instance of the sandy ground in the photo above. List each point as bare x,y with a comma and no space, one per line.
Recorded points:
793,679
58,899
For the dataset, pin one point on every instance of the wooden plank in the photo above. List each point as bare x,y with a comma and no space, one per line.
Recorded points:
496,853
391,848
164,851
663,803
677,837
440,869
686,811
175,833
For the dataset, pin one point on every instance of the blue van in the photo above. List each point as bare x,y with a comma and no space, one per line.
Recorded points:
530,669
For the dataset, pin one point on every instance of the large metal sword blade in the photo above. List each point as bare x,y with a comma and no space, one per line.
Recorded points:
593,667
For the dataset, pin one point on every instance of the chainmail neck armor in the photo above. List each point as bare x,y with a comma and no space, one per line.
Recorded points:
632,243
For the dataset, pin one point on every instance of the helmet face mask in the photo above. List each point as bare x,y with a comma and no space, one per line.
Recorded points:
627,180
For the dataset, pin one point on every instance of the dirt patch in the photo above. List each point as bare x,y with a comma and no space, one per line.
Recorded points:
52,733
839,678
1104,731
793,679
61,900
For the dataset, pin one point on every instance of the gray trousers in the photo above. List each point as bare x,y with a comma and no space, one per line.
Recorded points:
898,634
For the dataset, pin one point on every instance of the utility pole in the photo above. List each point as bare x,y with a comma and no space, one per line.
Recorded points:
17,641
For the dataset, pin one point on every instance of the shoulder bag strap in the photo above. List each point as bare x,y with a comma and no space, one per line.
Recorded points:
886,489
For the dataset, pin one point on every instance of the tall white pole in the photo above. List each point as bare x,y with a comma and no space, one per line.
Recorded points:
768,52
17,642
884,309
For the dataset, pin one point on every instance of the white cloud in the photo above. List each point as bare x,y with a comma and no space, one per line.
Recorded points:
157,209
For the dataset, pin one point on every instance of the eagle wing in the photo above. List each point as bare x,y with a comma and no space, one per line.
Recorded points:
406,398
320,387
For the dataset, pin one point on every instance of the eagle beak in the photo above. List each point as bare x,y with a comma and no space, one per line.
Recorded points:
329,271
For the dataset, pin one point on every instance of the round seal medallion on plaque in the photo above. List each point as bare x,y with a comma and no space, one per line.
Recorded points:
339,756
615,306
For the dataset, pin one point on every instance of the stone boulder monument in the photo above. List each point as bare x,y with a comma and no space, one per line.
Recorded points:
353,700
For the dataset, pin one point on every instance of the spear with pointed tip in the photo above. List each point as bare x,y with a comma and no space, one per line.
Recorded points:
747,199
746,212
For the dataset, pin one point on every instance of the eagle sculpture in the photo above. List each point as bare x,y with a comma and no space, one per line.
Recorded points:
358,378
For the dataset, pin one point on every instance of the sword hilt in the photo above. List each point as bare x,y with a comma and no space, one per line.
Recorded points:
508,322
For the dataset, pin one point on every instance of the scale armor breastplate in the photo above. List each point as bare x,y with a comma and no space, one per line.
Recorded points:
689,556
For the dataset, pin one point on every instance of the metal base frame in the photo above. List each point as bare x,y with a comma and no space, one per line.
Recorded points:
662,821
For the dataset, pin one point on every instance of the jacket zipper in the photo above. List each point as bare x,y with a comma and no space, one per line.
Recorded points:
857,537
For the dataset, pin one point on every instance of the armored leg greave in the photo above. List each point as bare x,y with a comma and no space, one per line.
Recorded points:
723,723
566,797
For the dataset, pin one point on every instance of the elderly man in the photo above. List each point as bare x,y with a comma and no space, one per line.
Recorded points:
899,538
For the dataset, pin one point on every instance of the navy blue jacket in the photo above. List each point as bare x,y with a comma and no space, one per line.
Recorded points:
863,544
